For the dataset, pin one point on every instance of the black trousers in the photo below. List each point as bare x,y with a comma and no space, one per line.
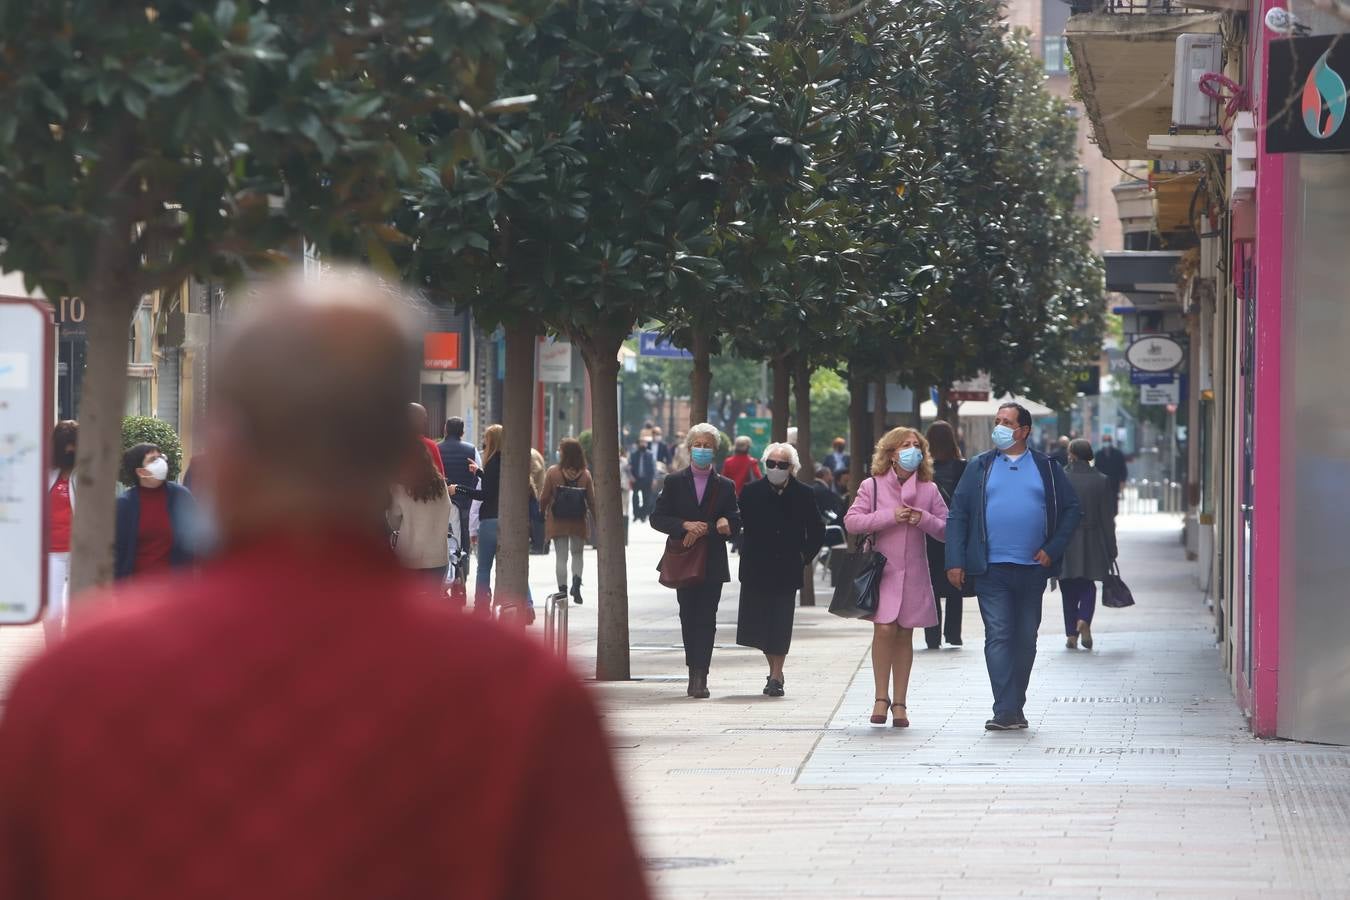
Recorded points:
642,499
698,622
951,628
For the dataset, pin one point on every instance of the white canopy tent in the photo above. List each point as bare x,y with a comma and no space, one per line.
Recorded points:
975,409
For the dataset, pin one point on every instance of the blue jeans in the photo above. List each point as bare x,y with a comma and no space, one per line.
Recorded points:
1010,605
487,554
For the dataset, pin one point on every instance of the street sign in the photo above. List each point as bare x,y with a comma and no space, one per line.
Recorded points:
1305,85
1168,394
975,389
650,343
758,429
25,425
1140,377
555,361
1088,381
1155,353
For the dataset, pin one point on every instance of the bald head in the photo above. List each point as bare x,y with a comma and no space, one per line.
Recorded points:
315,378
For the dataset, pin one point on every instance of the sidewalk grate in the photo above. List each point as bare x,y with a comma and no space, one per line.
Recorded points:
770,770
657,863
1112,751
796,729
1128,699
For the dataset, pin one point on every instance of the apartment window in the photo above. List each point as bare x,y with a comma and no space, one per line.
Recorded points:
1055,52
1081,202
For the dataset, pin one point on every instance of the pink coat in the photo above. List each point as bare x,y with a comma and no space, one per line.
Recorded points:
906,587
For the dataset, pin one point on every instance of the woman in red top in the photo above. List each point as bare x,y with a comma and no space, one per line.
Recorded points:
60,511
153,517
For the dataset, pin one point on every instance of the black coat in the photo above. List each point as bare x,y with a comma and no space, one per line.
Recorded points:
783,532
946,475
678,504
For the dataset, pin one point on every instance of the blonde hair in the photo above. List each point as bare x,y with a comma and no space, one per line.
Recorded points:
492,442
883,456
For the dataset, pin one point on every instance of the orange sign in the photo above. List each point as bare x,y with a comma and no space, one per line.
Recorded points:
440,350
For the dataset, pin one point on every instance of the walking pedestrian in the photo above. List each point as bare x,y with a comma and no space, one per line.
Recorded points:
60,514
697,504
538,539
838,460
781,534
1111,463
459,459
155,517
741,467
642,463
297,693
948,467
900,505
418,413
1011,518
1091,550
568,499
660,449
1060,452
418,519
488,525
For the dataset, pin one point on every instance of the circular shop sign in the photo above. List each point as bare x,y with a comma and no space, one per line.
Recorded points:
1155,354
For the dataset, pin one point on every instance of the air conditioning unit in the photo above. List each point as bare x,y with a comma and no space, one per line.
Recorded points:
1242,161
1196,55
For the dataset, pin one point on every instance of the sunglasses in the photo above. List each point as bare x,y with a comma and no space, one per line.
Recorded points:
777,464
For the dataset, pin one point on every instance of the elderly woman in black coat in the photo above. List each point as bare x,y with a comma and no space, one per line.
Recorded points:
697,504
783,532
1092,548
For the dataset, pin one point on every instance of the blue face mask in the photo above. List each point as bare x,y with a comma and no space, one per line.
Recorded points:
1003,437
701,456
910,458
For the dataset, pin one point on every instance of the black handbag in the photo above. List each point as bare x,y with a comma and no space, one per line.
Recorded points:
1115,593
569,501
857,590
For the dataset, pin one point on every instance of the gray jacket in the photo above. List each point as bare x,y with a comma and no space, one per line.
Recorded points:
1093,545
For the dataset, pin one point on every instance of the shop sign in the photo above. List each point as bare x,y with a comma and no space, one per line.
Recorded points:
1155,353
1306,86
555,362
440,350
1168,393
25,424
758,429
651,343
1088,381
1140,377
976,389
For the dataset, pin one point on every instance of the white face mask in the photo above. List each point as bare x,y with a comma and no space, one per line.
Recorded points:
777,477
158,469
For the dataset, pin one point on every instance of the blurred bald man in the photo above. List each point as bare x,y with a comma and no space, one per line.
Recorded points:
294,722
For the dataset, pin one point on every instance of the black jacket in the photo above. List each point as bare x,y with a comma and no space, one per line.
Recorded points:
946,475
1111,463
783,532
678,504
455,457
827,501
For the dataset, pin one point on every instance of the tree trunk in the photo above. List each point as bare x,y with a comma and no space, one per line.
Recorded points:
801,382
700,379
782,368
109,305
916,407
602,368
859,441
878,410
513,528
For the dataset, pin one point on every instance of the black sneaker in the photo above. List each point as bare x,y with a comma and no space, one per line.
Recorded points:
1003,722
773,688
1022,721
955,642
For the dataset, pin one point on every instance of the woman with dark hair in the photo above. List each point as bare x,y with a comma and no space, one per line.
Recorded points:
419,518
1091,550
154,516
948,467
567,498
60,514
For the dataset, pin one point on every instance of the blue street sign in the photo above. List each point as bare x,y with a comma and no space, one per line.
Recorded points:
1139,376
652,344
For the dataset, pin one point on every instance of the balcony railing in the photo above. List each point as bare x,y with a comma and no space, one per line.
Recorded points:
1132,7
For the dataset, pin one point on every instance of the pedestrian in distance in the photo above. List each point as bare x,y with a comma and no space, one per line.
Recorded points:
1060,452
642,463
155,526
490,494
1091,550
1011,518
679,453
781,534
697,504
838,460
948,467
418,413
660,449
298,692
741,467
60,515
418,519
828,502
1111,463
459,460
568,501
901,506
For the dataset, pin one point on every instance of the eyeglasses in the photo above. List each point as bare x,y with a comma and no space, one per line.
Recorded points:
777,464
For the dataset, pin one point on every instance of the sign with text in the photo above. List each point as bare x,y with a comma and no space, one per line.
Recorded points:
1140,377
1160,394
1306,84
651,343
440,350
25,428
1155,353
758,429
975,389
555,362
1088,381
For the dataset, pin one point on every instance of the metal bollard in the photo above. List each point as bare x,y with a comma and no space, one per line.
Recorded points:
555,623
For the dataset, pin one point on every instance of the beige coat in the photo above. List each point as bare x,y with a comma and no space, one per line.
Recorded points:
553,479
422,527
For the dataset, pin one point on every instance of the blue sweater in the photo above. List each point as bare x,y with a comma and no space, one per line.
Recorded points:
1014,511
968,527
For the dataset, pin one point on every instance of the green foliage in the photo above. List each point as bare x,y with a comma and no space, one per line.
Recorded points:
829,411
149,430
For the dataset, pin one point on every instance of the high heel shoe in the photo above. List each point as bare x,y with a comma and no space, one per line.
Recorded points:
899,721
881,719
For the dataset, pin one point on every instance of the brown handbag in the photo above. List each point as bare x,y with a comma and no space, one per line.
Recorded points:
686,567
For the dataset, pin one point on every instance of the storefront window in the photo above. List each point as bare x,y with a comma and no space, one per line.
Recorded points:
1054,50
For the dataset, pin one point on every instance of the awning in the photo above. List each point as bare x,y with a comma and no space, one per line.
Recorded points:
989,408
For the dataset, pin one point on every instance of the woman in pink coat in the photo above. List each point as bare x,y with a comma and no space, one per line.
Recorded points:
899,504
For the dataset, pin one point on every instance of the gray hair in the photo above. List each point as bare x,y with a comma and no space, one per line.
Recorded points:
791,454
703,428
742,440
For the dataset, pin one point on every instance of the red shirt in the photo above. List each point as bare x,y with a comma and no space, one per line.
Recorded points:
295,724
58,516
154,533
738,467
435,453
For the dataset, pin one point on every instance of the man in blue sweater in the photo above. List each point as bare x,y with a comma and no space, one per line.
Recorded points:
1010,520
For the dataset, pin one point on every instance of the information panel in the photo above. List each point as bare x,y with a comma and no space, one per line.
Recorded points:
25,422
